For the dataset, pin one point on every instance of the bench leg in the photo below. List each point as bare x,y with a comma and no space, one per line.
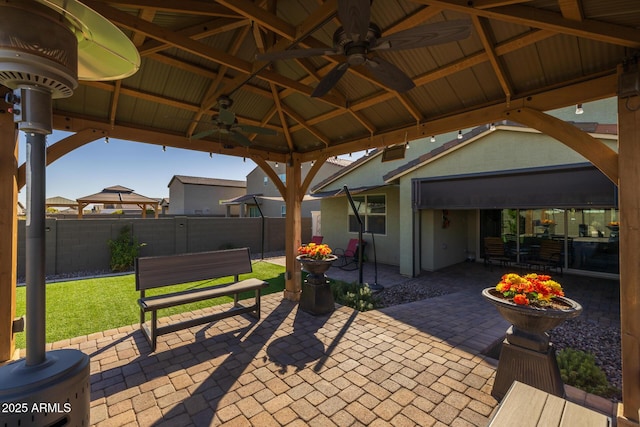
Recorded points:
154,327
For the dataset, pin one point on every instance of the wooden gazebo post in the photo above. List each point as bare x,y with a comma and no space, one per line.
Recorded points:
8,231
293,229
629,159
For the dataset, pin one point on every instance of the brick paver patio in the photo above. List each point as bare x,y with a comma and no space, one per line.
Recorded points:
412,364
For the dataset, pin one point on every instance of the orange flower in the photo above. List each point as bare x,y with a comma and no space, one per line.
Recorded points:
536,289
315,251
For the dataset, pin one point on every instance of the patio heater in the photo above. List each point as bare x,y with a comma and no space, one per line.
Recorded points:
45,47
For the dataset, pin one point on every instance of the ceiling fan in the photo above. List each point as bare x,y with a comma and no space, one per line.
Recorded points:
358,36
226,123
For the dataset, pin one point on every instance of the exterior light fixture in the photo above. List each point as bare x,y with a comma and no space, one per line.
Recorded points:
106,139
277,165
433,138
164,148
579,109
459,134
492,127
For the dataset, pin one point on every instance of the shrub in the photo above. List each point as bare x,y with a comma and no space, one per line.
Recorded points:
578,368
124,250
354,295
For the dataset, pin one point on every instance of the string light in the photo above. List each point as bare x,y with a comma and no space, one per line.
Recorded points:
459,134
579,109
164,148
106,139
492,127
211,155
433,138
277,165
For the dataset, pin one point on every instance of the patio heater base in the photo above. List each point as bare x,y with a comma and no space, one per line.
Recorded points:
538,369
56,392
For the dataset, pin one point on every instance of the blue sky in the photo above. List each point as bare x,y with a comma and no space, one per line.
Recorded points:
145,168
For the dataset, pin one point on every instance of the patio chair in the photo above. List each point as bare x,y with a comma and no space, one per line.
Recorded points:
349,256
494,252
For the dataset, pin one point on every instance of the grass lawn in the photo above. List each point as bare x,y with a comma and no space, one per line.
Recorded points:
81,307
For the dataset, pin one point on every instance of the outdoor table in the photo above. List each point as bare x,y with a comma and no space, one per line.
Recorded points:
526,406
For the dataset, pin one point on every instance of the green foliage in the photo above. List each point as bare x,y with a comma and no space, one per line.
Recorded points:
117,212
579,369
124,250
81,307
354,295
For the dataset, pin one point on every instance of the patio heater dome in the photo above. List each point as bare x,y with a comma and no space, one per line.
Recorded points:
45,46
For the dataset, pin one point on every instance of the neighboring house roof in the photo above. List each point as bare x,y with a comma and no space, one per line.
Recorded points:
475,133
217,182
117,194
60,201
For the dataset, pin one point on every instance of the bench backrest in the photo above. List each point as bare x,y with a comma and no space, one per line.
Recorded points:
493,246
158,271
550,249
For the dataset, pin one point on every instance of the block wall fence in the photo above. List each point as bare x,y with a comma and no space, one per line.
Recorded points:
81,245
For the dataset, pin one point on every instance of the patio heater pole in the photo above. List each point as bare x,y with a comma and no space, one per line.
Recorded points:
261,216
35,248
39,48
375,286
360,231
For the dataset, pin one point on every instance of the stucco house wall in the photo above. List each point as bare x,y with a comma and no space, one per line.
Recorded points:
201,196
419,240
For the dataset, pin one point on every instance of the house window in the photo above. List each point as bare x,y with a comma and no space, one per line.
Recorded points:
265,180
283,177
373,213
283,211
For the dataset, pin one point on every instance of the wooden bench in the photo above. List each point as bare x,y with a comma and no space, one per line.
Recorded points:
161,271
549,256
526,406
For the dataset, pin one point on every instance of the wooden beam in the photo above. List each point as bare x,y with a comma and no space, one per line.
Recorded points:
187,7
603,157
483,29
8,231
629,152
597,88
547,20
293,230
571,9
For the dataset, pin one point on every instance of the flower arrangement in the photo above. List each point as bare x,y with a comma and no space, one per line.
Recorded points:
547,221
614,224
531,289
315,251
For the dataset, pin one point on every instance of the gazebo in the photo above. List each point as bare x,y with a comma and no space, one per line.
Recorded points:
118,195
334,79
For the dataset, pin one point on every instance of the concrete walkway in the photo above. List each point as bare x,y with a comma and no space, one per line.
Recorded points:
412,364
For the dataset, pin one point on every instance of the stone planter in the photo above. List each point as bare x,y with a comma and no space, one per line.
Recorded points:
316,297
527,355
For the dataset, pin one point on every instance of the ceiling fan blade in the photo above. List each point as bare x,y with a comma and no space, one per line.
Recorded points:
204,133
240,138
295,53
426,35
355,16
330,80
389,75
227,117
256,129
